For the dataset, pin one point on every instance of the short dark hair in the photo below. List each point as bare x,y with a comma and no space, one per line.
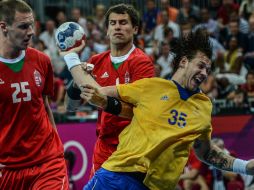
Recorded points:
122,9
8,9
189,45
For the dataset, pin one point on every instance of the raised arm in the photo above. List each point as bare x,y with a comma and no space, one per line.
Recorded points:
80,76
213,155
83,80
107,98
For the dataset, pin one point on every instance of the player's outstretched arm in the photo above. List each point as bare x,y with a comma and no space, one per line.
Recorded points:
213,155
107,98
80,75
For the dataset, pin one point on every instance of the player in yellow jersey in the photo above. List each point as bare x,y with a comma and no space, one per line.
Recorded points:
170,116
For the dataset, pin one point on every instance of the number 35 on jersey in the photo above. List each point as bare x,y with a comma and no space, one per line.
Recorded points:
177,118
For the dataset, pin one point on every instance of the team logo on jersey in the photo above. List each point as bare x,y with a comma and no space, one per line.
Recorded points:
1,81
165,97
127,77
37,78
105,75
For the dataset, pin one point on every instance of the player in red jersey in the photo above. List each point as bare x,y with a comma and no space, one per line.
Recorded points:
196,174
123,63
31,152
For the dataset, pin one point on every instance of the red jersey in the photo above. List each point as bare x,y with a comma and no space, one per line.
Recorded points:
195,163
26,134
138,65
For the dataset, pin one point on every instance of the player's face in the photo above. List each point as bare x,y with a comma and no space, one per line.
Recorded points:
196,71
120,29
21,31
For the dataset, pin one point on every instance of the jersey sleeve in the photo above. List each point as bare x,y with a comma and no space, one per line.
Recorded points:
48,87
144,68
207,134
132,92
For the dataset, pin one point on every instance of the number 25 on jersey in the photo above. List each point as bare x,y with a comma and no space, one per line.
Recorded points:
21,87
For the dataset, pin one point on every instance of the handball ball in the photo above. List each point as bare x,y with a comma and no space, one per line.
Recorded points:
69,35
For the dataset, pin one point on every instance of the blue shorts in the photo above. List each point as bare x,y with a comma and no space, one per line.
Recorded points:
107,180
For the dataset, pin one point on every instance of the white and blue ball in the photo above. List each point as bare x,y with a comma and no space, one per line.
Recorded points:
69,35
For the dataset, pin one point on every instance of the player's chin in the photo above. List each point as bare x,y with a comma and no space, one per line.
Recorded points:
25,45
119,39
20,48
193,85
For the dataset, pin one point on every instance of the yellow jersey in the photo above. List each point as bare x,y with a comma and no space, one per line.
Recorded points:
167,119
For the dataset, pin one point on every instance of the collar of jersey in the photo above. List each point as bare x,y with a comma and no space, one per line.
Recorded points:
184,93
13,61
120,59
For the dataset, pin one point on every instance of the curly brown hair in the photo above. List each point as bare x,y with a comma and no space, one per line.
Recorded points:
189,45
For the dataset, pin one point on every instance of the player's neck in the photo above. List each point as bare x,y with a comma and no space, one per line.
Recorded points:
179,77
120,50
9,53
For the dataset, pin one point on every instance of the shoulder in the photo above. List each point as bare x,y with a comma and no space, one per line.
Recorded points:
100,56
206,101
154,82
36,53
38,58
140,55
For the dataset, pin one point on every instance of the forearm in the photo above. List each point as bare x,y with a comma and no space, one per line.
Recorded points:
214,156
218,159
82,78
113,106
126,111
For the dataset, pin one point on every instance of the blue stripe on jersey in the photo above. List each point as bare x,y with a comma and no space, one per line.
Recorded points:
184,93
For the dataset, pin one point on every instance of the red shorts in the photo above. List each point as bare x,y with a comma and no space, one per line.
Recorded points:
47,176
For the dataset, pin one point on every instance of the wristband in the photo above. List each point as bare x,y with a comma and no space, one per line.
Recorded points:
72,60
114,106
239,166
73,93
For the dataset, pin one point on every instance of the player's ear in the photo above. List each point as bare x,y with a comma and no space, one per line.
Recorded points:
183,62
107,35
135,30
3,26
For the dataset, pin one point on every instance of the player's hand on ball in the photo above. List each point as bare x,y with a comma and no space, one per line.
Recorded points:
73,50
